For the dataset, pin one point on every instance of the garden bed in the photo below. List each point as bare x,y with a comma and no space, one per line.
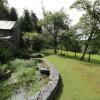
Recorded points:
5,75
24,81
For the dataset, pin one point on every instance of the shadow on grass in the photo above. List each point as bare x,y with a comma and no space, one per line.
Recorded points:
59,90
92,61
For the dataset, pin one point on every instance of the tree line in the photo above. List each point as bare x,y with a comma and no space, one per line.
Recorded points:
54,31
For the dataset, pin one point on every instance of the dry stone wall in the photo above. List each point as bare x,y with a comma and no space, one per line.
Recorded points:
48,91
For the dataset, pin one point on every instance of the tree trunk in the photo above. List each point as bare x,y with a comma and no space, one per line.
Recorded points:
55,50
61,50
55,46
89,57
67,53
64,52
88,42
75,54
86,47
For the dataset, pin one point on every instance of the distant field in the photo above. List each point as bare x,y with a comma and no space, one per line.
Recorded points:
80,80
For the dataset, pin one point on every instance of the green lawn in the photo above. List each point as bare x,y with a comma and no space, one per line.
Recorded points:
81,80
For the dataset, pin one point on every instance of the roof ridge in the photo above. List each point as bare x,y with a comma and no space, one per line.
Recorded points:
7,25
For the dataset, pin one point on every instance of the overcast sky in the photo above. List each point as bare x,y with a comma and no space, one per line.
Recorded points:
50,5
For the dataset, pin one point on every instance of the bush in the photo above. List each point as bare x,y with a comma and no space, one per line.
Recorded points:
22,54
22,63
33,41
5,54
2,70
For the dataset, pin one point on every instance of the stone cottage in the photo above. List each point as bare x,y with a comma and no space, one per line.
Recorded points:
9,32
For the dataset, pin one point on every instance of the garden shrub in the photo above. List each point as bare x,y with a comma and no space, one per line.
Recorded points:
5,54
33,41
22,54
22,63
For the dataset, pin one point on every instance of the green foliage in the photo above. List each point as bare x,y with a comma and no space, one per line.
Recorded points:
37,43
24,77
29,22
69,40
6,13
65,40
53,24
75,46
75,39
33,41
22,63
13,14
89,22
82,4
4,10
92,8
26,22
35,20
5,51
24,71
22,54
5,54
2,69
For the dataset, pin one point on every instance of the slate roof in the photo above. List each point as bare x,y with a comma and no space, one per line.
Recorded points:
7,25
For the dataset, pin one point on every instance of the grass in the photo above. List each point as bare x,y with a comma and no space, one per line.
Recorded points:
80,80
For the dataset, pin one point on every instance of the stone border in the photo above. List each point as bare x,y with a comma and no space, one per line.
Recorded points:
48,91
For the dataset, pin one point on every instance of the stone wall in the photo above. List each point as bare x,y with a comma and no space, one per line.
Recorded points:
48,91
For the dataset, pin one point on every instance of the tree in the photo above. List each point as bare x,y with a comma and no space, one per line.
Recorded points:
36,26
94,47
65,40
33,41
75,46
4,10
75,39
34,20
13,14
26,22
38,43
90,21
29,22
53,24
6,52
